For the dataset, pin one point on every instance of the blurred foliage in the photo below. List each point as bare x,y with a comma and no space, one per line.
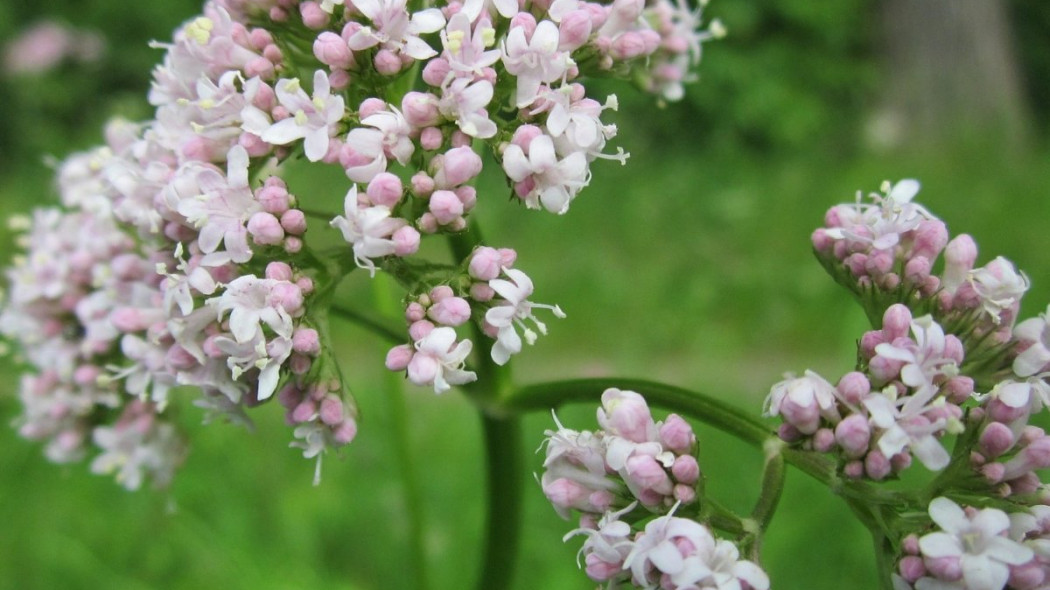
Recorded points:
1031,20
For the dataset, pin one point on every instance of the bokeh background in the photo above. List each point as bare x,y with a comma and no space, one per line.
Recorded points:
691,265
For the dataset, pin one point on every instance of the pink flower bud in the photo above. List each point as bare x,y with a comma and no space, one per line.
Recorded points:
507,257
788,433
398,357
419,330
331,411
387,62
304,412
331,50
436,70
885,369
290,397
853,469
406,241
853,387
677,435
306,341
947,569
339,79
420,109
265,229
684,493
427,223
625,413
460,139
313,16
853,434
685,469
486,264
87,374
422,184
445,206
422,369
385,189
273,198
129,319
371,106
460,165
911,568
260,67
821,241
896,322
526,22
574,30
441,292
910,544
565,493
293,221
823,440
869,341
930,238
259,39
648,474
288,296
481,292
917,270
431,138
600,570
253,144
345,432
524,135
627,45
452,311
1027,576
876,465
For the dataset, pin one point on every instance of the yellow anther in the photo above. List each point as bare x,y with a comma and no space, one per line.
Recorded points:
200,30
455,41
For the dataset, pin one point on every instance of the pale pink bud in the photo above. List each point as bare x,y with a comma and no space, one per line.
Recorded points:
293,221
910,544
305,411
422,369
419,330
853,387
647,472
259,38
885,369
853,469
460,139
253,144
565,493
273,198
525,21
788,432
87,374
481,292
427,223
306,341
600,570
960,254
911,568
685,469
406,241
265,229
259,66
345,432
821,241
431,138
896,322
651,39
684,493
947,569
420,109
507,257
371,106
1027,483
625,413
387,62
415,312
853,434
958,389
468,195
459,165
524,135
930,238
288,296
486,264
823,440
917,269
398,357
869,341
677,435
876,465
129,319
436,70
628,45
385,189
574,30
441,292
953,348
445,206
293,245
331,411
290,397
453,311
1001,412
331,50
339,79
313,16
857,264
996,439
422,184
305,284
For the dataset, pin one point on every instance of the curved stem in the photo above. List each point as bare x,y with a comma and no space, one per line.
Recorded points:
772,486
372,325
709,410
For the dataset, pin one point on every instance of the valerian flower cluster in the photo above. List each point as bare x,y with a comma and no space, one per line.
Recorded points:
179,255
633,460
948,362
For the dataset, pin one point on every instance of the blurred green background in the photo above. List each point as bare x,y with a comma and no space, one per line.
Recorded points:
689,265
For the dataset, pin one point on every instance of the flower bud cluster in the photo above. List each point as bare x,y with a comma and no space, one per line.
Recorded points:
978,549
885,252
631,459
181,254
670,553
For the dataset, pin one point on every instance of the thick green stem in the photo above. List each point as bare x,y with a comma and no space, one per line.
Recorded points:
772,486
505,466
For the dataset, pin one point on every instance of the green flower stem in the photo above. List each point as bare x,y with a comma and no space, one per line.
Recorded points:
772,486
398,409
371,324
716,413
505,466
